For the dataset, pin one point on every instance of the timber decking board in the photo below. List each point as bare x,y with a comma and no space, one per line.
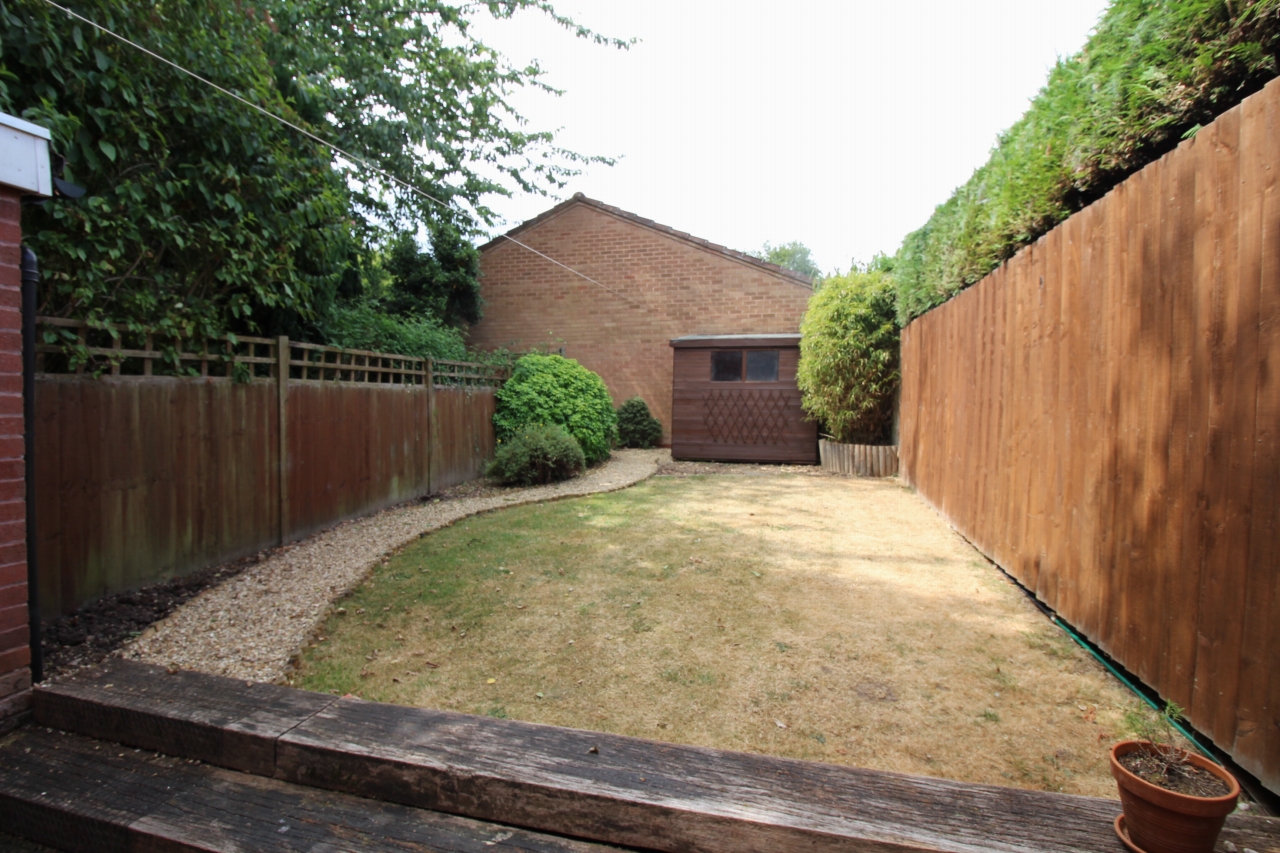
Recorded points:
80,794
629,791
205,717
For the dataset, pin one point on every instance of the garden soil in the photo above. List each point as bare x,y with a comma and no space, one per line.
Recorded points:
90,634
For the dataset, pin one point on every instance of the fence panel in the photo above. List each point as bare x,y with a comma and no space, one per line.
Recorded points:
353,449
140,480
1099,416
462,418
1256,731
142,477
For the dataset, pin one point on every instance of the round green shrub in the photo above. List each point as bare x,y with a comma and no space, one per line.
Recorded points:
537,455
848,373
551,389
636,427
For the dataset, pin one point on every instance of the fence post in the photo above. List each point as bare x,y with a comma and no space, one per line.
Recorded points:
282,468
429,369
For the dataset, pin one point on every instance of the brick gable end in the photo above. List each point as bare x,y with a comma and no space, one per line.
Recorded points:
666,287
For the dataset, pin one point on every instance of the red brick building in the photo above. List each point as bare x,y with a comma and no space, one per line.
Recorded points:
649,284
24,171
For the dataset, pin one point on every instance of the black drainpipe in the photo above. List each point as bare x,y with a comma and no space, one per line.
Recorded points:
30,278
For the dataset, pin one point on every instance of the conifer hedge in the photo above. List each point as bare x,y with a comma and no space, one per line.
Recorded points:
1151,74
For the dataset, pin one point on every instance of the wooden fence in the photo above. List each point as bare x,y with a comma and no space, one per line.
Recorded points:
1101,417
142,476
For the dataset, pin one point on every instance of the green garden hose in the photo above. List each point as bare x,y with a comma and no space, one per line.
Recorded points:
1088,647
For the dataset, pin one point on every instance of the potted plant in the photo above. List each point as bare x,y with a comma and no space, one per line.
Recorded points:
1174,801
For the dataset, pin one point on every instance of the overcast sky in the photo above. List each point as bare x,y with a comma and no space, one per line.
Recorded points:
839,124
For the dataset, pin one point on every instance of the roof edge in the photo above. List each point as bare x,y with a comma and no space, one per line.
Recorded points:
749,340
578,198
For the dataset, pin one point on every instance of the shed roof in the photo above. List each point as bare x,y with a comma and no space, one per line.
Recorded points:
578,198
706,341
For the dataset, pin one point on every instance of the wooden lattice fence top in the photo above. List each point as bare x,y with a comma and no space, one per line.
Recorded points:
75,348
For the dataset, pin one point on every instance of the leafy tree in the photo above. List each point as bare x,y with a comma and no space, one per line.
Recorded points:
406,83
203,215
362,325
198,211
793,256
848,372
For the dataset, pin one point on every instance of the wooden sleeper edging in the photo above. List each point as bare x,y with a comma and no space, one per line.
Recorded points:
76,793
590,785
223,721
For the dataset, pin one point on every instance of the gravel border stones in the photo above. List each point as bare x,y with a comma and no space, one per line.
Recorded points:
252,626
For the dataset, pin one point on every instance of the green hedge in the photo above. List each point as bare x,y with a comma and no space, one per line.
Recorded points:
1154,71
364,326
551,389
848,374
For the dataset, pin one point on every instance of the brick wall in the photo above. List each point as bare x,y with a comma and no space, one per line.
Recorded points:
15,654
673,287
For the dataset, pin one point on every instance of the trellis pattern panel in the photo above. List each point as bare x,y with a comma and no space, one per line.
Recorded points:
746,416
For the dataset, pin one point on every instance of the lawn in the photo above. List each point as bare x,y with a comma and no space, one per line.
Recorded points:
804,616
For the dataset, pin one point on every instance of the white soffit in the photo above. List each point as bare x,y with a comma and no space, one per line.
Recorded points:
24,156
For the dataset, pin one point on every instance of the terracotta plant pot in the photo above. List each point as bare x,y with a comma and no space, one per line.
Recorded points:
1158,820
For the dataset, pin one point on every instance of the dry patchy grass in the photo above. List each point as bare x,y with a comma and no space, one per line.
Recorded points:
830,619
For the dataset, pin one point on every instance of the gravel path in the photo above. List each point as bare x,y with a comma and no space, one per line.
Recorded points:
252,626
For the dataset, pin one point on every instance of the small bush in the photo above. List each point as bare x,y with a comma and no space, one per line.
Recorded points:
537,455
551,389
636,427
848,373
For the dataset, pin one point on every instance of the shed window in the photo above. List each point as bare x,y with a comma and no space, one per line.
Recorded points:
762,366
726,366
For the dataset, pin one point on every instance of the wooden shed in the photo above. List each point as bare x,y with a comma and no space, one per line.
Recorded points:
734,399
